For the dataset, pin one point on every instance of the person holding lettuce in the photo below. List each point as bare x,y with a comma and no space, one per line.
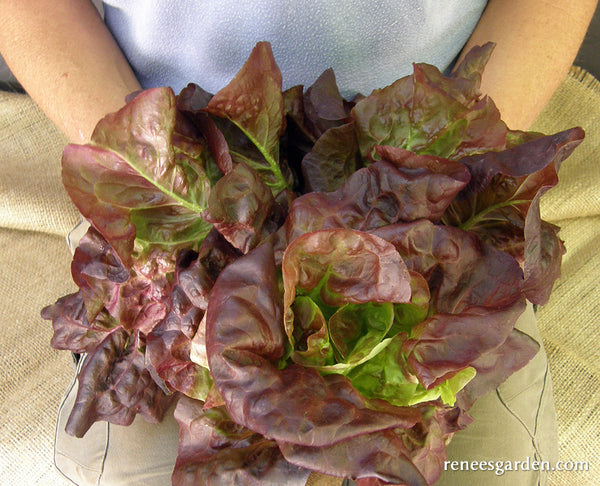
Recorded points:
78,68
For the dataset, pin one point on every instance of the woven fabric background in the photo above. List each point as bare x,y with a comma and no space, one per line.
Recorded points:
35,215
570,322
31,191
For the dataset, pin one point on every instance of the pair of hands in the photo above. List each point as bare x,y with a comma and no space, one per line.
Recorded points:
68,62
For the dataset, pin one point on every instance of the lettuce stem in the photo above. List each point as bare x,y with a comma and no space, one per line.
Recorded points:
476,218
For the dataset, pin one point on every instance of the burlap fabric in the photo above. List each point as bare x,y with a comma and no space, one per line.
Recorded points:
35,215
570,322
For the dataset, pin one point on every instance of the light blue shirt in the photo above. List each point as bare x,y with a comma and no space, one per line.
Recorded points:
368,43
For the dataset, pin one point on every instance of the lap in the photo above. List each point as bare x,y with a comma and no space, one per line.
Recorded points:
115,455
516,422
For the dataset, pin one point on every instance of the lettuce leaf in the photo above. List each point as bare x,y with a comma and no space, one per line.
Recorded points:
386,376
242,208
245,340
333,158
214,450
254,103
114,385
72,329
381,194
429,113
169,344
495,366
501,205
139,182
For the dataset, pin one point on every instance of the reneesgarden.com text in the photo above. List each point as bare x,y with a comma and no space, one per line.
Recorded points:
500,467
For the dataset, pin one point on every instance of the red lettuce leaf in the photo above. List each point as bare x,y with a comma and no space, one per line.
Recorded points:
475,296
526,167
324,107
310,116
457,266
542,254
72,329
413,456
501,205
143,301
254,103
245,341
114,386
97,271
433,114
495,366
197,277
293,107
168,349
140,183
316,110
382,455
193,102
110,295
296,141
242,208
447,343
215,451
379,195
139,301
333,158
344,266
123,302
471,68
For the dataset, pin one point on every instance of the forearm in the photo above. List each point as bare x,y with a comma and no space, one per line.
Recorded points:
65,58
536,44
